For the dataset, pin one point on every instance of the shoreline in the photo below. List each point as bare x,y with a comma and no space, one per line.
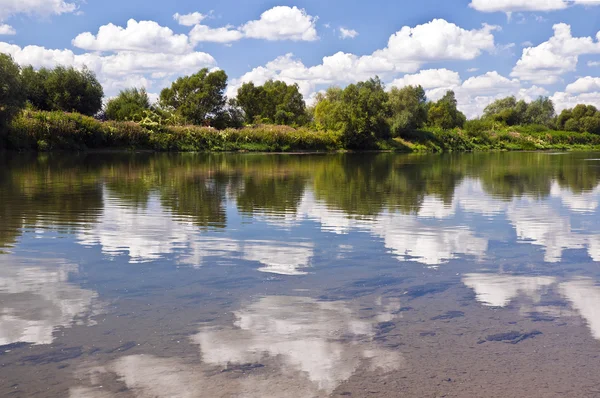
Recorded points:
37,131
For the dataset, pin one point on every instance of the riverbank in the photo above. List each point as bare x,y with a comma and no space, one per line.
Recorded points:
58,131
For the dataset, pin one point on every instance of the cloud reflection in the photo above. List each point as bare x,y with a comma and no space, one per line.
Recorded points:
278,347
36,298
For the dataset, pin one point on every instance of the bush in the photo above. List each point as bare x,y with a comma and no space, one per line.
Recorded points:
128,105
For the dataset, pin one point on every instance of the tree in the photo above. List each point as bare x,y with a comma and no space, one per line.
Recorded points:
198,98
541,111
360,112
128,104
445,114
12,98
274,102
73,90
408,108
506,110
251,99
581,118
34,85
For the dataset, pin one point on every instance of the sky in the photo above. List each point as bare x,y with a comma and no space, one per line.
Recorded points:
481,49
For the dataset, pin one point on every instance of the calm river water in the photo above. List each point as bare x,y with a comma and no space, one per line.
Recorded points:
374,275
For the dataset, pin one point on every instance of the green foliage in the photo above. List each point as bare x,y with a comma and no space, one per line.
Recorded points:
198,98
274,102
445,114
540,111
360,112
408,109
12,99
128,105
582,118
506,110
63,89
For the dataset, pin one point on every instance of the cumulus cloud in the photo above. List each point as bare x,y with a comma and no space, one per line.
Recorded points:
563,100
282,23
407,50
277,23
473,94
114,70
7,30
348,33
203,33
189,19
509,6
429,78
548,61
584,85
35,7
144,36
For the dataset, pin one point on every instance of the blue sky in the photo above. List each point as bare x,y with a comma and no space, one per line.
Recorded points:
482,49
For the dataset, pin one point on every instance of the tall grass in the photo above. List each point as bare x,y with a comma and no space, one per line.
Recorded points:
48,131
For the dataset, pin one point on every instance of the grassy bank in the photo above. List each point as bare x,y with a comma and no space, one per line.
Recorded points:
50,131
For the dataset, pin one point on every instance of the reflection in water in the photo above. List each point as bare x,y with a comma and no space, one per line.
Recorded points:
289,346
145,233
36,298
584,295
324,340
500,290
364,231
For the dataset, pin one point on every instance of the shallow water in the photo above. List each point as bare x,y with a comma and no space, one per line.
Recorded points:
300,275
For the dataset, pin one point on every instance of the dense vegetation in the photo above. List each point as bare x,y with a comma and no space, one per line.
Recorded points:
62,108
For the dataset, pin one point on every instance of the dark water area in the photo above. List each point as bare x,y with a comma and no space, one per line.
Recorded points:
372,275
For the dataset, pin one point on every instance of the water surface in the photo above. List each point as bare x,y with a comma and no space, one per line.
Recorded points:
142,275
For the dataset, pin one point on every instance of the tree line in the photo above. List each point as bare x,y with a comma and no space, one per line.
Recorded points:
363,112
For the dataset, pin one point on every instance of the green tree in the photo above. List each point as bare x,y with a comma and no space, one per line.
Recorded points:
34,85
360,112
12,98
73,90
541,111
506,110
128,104
445,114
273,102
198,98
251,99
408,108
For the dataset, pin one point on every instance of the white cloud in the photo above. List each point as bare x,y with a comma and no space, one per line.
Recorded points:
429,78
475,93
143,36
203,33
189,19
545,63
509,6
114,70
7,30
348,33
564,100
593,63
35,7
407,51
282,23
584,85
277,23
472,70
